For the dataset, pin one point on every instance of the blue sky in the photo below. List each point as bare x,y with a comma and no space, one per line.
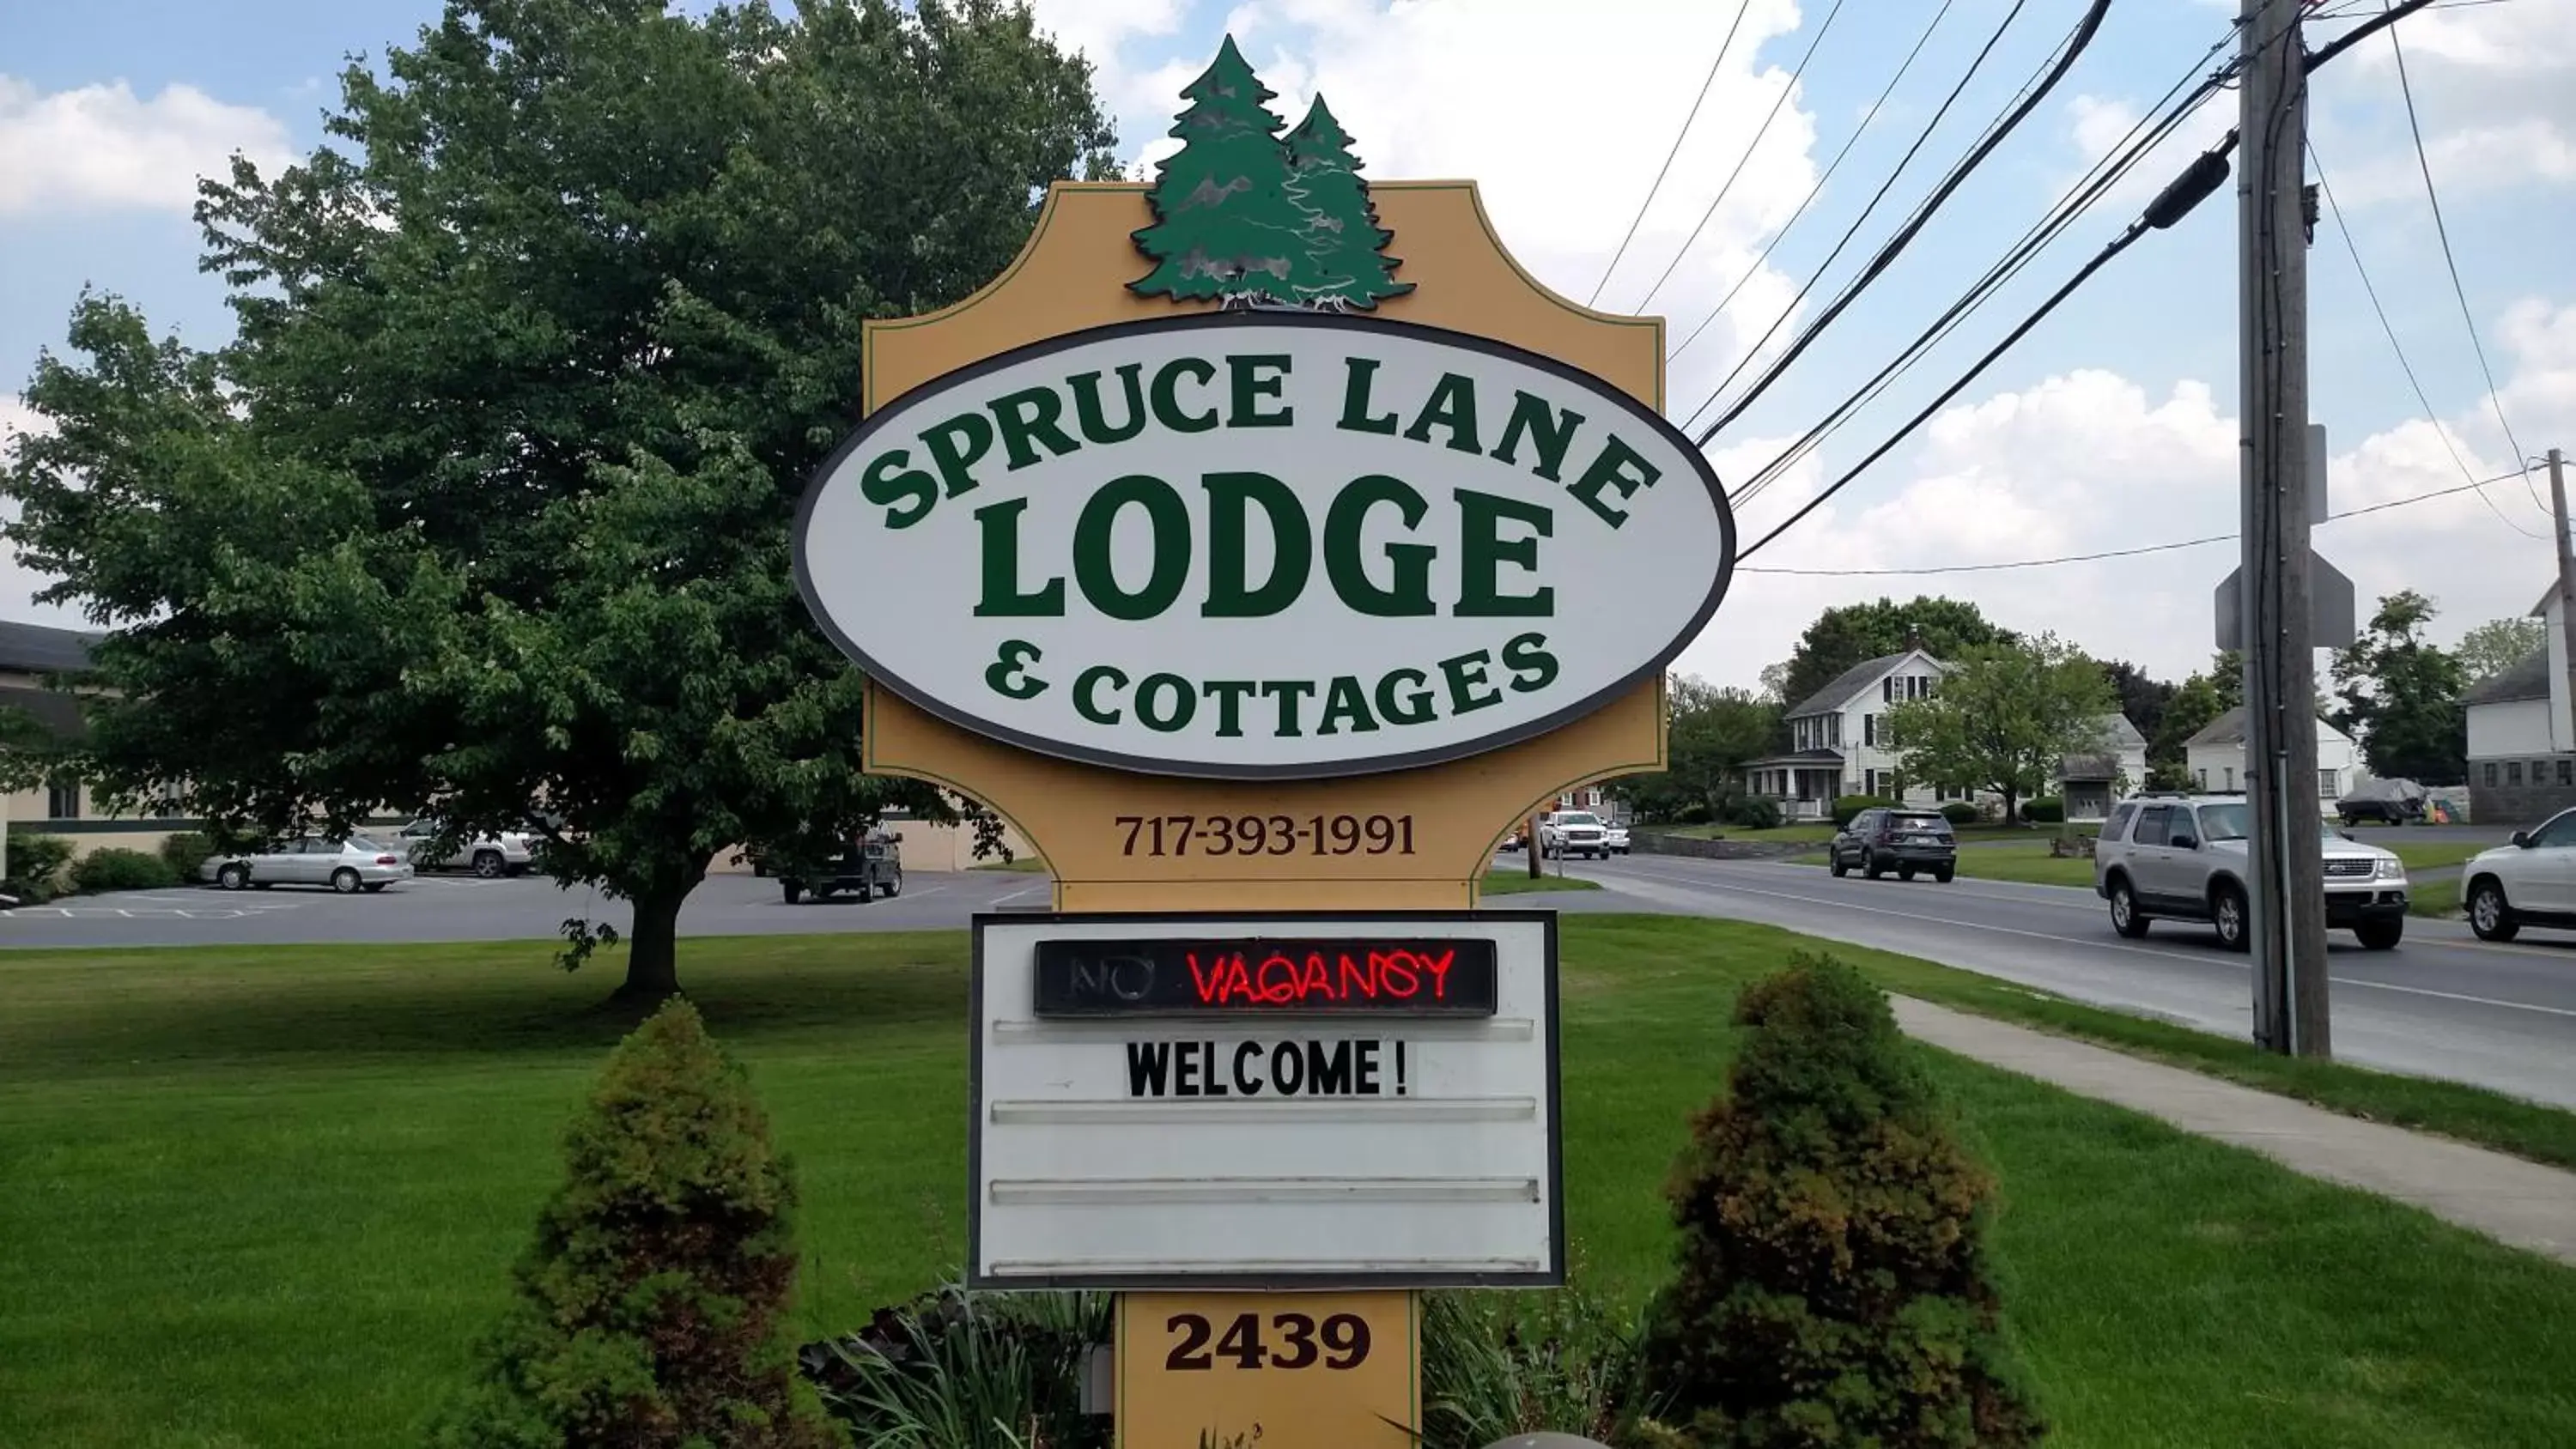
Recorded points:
2111,427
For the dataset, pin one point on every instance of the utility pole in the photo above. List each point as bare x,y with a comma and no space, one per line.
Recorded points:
2566,595
2285,856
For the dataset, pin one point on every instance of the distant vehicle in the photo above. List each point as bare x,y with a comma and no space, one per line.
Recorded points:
2382,802
1615,837
866,866
2182,857
1907,842
2530,881
1573,832
347,864
510,852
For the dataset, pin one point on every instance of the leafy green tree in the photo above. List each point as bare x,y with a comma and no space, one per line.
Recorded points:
2142,698
1852,634
2498,645
2195,703
1831,1284
1345,247
2004,719
487,508
653,1307
1226,225
2401,695
1712,733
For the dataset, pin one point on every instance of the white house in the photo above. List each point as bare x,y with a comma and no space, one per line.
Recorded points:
2216,759
1838,739
2522,752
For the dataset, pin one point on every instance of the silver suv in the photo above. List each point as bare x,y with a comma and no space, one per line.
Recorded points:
2182,857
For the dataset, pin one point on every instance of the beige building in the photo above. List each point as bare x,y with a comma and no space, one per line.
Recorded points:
30,655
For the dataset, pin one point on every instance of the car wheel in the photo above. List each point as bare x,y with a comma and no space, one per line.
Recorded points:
894,885
2227,912
867,892
1870,867
791,891
2381,935
2489,916
1905,872
488,864
1944,873
1834,863
345,881
233,877
2126,918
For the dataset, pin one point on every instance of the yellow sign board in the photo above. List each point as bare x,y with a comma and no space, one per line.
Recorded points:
1273,1370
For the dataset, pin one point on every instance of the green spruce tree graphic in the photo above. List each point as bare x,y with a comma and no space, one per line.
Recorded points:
1225,226
1346,260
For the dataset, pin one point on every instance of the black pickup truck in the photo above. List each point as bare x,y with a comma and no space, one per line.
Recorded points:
866,866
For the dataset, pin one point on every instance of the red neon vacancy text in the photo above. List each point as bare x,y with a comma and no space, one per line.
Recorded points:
1317,978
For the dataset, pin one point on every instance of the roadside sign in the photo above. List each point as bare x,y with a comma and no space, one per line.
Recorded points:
1264,545
2332,622
1283,1370
1265,1101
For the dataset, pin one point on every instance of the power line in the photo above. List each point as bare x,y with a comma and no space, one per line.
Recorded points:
2076,43
2106,172
1742,161
2177,199
2442,233
2181,543
2371,290
1818,189
1921,139
1683,134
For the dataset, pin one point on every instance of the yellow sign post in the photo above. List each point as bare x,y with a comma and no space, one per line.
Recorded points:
1077,455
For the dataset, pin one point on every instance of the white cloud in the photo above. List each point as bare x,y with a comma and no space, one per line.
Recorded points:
2089,462
2495,93
101,147
19,584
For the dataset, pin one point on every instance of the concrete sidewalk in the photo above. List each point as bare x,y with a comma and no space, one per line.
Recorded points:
2516,1202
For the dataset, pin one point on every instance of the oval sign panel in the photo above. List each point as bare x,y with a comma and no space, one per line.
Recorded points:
1261,544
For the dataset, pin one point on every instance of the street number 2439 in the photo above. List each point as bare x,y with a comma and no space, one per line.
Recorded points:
1339,1342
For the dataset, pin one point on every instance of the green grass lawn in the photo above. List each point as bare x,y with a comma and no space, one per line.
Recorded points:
269,1197
1520,882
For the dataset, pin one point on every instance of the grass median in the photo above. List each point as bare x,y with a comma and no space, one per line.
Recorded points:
270,1196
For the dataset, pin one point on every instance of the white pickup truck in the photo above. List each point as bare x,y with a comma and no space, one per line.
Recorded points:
1573,832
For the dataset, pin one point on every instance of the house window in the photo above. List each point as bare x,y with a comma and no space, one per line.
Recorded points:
2491,774
2513,772
1833,730
1869,729
2540,772
62,800
2567,772
2329,784
1887,689
2231,778
2201,775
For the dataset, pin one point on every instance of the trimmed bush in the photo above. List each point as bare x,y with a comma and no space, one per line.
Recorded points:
1962,812
1752,812
185,850
651,1306
2044,810
1832,1286
36,867
115,869
1848,806
1695,813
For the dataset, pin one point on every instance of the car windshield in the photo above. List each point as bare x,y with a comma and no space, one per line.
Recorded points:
1934,823
2222,822
1578,817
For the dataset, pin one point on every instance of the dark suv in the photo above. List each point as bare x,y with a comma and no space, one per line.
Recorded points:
866,866
1904,841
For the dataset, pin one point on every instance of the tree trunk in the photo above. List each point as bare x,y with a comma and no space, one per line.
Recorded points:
1529,847
2012,807
652,949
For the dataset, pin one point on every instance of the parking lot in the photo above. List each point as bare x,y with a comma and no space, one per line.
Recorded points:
461,908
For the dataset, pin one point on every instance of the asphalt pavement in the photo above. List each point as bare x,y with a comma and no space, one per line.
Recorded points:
461,908
2443,1004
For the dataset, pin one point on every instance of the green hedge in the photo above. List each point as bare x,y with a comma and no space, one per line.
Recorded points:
2045,810
1848,806
36,867
114,868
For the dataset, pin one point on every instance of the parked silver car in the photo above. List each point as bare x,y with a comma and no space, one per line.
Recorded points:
347,864
510,852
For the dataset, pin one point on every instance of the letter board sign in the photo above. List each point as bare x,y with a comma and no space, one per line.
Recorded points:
1302,1100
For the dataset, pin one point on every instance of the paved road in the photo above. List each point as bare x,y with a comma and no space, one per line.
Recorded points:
2444,1004
451,908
